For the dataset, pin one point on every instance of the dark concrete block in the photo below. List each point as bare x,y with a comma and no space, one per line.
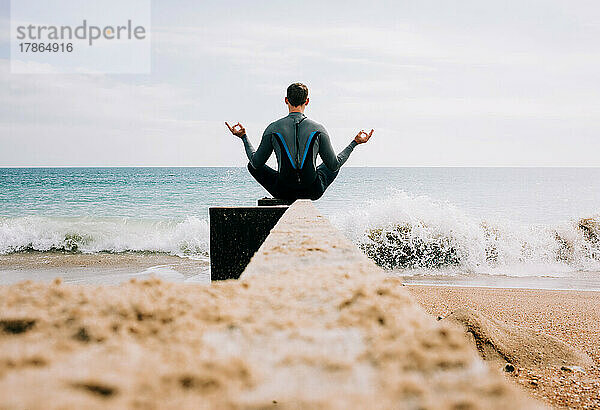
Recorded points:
274,202
236,233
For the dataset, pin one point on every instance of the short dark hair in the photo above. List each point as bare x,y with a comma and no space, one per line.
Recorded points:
297,94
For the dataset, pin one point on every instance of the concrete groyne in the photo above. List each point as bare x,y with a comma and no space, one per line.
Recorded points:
353,336
312,323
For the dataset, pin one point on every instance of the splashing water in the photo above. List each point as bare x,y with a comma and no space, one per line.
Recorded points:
415,233
188,237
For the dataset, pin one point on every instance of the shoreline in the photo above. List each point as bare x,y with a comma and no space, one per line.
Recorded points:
46,266
451,285
100,268
573,281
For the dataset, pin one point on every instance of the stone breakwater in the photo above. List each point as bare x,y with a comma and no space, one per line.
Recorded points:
311,323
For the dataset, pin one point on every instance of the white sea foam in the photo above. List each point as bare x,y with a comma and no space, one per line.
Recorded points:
188,237
408,233
414,233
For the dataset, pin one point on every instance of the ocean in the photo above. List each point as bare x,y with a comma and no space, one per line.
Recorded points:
515,227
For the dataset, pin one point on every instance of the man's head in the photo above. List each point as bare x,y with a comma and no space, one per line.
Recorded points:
297,97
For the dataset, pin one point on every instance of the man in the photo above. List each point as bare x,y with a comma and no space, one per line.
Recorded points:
296,141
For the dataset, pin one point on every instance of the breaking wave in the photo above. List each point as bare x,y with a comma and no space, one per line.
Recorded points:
404,233
188,237
416,234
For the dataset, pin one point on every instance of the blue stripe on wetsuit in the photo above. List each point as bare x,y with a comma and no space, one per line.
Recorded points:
286,149
307,146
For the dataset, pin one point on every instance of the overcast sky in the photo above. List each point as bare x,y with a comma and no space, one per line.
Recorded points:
444,83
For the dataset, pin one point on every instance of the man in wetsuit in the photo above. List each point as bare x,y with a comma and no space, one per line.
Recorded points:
296,141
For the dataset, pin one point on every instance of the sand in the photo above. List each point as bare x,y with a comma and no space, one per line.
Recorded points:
570,316
312,324
102,268
65,260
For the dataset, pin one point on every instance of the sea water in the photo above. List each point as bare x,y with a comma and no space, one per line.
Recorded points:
474,226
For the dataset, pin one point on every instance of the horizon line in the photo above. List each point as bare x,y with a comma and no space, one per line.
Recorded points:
242,166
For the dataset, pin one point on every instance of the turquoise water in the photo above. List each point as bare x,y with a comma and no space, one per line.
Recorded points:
526,194
166,210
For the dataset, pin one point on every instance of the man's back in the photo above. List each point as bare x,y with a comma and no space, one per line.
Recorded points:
293,133
296,141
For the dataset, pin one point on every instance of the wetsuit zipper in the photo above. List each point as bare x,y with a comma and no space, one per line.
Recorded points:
298,153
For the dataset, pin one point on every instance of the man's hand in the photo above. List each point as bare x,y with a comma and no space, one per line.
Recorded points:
362,137
238,130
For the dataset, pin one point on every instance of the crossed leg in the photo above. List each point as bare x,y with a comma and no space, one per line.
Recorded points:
325,177
266,176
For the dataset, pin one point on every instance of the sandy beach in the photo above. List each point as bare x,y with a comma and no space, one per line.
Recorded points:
571,316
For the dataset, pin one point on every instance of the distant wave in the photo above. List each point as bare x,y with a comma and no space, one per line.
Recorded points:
417,234
188,237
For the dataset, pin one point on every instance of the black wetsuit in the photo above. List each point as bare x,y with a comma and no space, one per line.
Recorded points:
296,141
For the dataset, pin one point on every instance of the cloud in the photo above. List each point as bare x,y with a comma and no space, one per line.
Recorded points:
58,119
85,98
478,84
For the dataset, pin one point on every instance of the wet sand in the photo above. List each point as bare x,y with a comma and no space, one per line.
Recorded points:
571,316
99,268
